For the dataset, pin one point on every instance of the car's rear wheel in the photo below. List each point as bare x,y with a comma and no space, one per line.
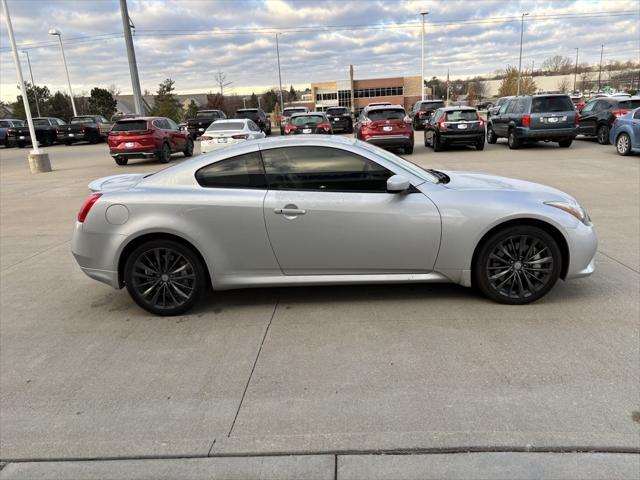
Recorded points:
514,142
165,277
491,136
480,145
565,142
188,148
437,146
21,144
517,265
121,160
94,138
408,150
603,135
164,156
623,144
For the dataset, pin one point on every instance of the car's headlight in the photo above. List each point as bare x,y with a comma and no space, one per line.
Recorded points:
572,209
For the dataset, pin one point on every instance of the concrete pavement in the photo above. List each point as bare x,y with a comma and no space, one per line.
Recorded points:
84,373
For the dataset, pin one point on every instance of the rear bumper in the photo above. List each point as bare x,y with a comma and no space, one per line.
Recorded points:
546,134
96,254
342,124
73,137
462,138
389,140
134,152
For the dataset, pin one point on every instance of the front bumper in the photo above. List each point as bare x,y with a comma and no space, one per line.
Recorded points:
71,137
583,245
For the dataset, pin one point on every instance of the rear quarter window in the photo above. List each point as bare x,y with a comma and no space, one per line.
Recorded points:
243,171
629,104
551,104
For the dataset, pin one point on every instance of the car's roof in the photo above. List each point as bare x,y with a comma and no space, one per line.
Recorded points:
233,120
431,101
209,110
382,107
459,107
247,110
304,114
296,108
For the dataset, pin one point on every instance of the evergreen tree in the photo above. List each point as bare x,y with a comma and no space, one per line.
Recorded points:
102,102
292,95
253,101
33,91
166,103
59,105
191,111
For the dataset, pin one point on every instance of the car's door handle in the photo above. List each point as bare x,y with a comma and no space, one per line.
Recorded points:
289,211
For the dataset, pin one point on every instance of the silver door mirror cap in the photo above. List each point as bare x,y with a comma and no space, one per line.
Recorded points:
398,184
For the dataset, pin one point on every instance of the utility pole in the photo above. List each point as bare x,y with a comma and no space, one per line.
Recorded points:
38,160
244,102
279,75
575,72
423,14
353,99
131,55
600,69
33,85
57,33
520,60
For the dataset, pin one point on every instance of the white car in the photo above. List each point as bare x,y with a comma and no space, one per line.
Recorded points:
223,133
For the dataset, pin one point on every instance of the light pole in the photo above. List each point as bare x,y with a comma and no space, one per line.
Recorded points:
127,25
279,74
520,60
575,72
57,33
33,85
600,69
423,14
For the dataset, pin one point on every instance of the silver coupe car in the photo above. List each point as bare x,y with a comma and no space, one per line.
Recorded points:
313,210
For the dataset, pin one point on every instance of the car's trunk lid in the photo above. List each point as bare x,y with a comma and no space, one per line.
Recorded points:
116,182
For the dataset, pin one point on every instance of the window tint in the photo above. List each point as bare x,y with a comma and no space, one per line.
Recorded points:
129,126
221,126
41,122
467,115
637,115
253,126
336,111
601,105
551,104
629,104
588,107
161,123
430,106
252,114
386,114
509,106
171,125
243,171
290,111
5,123
302,120
323,169
520,106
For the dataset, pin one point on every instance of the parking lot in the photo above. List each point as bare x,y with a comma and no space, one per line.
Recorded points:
317,370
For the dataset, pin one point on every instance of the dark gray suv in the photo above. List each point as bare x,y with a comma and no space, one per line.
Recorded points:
531,118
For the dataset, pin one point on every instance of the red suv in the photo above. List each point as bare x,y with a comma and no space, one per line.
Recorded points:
386,126
146,137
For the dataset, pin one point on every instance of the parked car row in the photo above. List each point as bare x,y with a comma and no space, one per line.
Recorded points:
51,130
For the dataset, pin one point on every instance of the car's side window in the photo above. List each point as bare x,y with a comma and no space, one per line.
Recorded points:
171,124
521,105
636,115
243,171
601,105
323,169
588,107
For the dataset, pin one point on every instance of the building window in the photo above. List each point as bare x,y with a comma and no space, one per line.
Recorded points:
378,92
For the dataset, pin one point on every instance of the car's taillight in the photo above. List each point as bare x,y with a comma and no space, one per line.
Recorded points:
619,113
577,118
86,206
240,137
325,126
206,137
365,122
480,121
526,120
407,119
442,125
420,114
290,128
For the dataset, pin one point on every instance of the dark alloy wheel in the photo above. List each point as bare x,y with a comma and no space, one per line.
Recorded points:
164,277
188,148
121,160
435,143
623,144
517,265
480,145
603,135
165,153
491,136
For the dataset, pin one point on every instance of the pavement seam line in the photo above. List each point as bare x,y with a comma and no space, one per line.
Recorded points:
335,467
255,362
211,447
618,261
33,256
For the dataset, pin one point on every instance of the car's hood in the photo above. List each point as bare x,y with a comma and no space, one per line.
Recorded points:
116,182
486,181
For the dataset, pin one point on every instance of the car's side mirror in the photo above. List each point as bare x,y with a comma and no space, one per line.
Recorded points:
398,184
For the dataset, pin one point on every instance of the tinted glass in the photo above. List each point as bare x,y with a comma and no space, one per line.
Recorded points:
520,106
171,124
302,120
551,104
290,111
243,171
83,120
430,106
41,122
336,111
386,114
467,115
219,127
252,114
637,115
323,169
129,126
629,104
5,123
206,114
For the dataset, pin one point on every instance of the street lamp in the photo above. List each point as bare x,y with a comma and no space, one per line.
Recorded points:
520,60
279,74
33,85
423,14
575,72
57,33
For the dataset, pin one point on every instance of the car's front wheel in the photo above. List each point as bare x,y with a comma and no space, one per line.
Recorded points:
623,144
164,277
517,265
188,148
435,143
603,135
164,156
491,136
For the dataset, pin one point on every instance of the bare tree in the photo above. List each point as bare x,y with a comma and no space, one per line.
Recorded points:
113,90
586,80
557,64
222,82
563,85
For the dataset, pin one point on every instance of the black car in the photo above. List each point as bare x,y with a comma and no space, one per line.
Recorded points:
6,124
340,119
597,116
454,126
46,132
286,114
259,117
530,118
422,111
310,122
495,108
198,125
89,128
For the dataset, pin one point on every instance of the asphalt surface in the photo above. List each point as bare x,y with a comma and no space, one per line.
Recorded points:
321,371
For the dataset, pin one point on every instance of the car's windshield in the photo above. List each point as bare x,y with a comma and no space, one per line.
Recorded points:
291,111
252,114
5,123
430,106
629,104
82,120
130,126
302,120
336,111
40,122
386,114
551,104
411,167
221,126
458,115
205,114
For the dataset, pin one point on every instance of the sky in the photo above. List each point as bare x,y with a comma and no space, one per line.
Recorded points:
190,40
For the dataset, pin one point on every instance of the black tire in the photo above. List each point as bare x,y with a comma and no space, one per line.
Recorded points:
437,147
121,161
268,132
67,143
46,141
188,148
491,135
408,150
517,265
623,144
514,142
603,135
565,142
165,277
164,155
21,144
426,144
480,145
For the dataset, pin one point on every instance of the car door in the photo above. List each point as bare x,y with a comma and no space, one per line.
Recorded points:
430,127
178,140
327,211
589,117
499,121
635,128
